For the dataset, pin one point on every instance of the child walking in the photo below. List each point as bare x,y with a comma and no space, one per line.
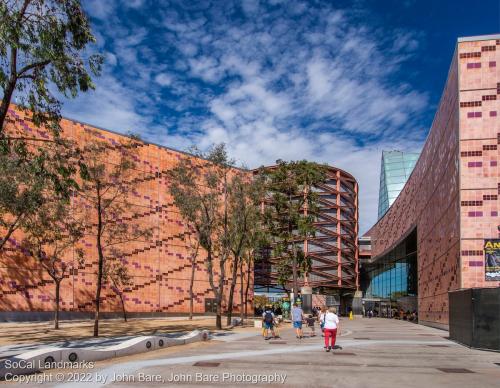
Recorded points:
310,323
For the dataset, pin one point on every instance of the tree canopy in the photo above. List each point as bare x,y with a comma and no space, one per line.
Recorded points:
43,49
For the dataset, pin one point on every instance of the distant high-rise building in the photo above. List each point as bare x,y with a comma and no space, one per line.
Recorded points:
394,172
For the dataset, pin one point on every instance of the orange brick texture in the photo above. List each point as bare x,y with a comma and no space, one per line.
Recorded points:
458,165
160,267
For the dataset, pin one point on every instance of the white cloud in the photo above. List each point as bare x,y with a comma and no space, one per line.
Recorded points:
163,79
100,9
320,86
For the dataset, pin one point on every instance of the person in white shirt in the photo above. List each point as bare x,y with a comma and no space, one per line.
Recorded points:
331,326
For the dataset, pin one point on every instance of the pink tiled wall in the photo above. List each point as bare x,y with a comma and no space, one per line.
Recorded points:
429,201
479,81
160,267
452,194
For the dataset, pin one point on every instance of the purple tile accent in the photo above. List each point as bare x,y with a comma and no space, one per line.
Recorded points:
475,164
493,163
475,214
470,114
493,113
493,63
475,263
494,213
478,114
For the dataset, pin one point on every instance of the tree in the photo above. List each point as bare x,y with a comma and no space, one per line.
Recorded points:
42,44
51,234
260,301
289,215
105,186
245,196
116,273
255,243
43,47
200,192
193,246
29,178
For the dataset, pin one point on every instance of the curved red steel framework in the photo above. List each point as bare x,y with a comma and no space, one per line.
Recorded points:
334,249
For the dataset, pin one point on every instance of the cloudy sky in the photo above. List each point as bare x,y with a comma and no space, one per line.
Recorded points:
333,81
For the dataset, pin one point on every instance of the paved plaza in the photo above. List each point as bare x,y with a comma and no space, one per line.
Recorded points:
375,353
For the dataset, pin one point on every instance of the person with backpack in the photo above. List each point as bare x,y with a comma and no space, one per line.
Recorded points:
268,323
332,326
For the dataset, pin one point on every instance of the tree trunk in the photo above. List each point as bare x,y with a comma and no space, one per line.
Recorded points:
217,294
191,285
4,107
218,315
247,287
100,265
58,299
294,278
243,306
124,311
230,303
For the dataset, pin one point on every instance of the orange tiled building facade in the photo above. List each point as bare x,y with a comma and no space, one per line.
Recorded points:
160,267
451,198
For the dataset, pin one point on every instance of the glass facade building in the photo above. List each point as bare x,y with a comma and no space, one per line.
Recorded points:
394,172
394,275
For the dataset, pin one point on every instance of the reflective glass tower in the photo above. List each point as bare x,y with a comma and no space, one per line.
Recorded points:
394,172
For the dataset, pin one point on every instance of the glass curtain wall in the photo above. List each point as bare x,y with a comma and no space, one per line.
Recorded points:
394,275
394,172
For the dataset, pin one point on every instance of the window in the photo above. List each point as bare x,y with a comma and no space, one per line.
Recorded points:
470,55
470,104
472,203
471,153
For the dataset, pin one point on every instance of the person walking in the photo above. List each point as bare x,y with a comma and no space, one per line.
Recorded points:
297,318
310,324
322,320
268,323
332,326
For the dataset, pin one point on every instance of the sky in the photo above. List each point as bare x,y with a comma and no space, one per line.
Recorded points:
327,81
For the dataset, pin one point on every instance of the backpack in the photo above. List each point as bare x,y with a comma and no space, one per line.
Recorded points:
268,318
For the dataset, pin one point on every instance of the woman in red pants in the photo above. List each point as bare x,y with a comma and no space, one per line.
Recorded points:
332,326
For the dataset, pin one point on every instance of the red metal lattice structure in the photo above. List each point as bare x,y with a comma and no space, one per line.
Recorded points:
334,249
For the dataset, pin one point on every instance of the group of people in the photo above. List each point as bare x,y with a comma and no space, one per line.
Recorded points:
393,313
326,317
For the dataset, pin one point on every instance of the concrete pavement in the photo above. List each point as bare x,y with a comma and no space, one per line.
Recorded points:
376,353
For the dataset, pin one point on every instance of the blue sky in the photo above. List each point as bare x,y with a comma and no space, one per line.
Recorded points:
333,81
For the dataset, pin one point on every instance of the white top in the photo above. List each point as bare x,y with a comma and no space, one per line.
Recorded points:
331,320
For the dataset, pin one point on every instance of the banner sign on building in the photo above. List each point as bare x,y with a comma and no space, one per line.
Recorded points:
492,259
